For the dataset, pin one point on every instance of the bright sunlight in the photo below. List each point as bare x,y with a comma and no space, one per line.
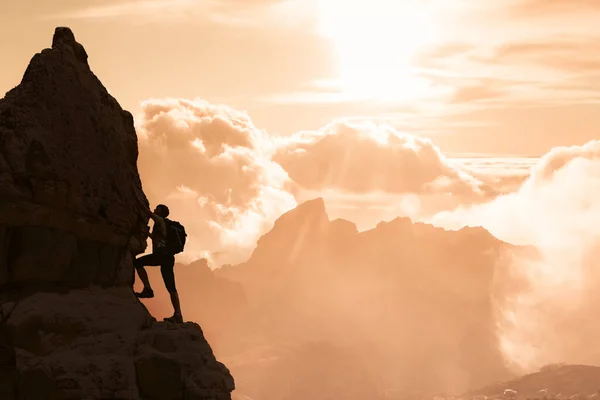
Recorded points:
375,41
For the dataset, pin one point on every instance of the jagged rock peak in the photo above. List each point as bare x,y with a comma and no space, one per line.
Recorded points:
314,208
68,174
317,204
311,215
64,38
308,219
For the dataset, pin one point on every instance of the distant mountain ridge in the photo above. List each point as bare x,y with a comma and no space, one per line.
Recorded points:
412,291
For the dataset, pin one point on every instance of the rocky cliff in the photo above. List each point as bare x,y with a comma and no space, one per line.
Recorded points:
69,227
68,175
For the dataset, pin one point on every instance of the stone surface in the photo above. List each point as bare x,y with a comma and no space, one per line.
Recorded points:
8,364
68,175
100,343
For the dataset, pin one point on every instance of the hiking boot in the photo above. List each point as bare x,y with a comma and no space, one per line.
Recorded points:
145,294
176,318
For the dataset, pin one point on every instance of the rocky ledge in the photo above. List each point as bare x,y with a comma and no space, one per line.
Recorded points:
100,343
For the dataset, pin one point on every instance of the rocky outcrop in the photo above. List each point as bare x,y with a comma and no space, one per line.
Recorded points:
100,343
68,175
69,227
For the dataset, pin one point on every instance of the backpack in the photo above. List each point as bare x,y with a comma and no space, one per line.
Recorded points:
175,240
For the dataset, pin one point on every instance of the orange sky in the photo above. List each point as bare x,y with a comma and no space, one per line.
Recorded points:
245,108
510,77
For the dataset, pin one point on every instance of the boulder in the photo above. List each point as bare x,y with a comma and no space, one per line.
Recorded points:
100,343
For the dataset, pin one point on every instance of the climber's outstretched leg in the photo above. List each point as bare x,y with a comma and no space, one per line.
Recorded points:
149,260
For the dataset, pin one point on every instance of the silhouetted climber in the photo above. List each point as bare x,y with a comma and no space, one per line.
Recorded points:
168,238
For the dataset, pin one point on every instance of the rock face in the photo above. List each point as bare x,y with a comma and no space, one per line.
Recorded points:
8,360
69,227
100,343
68,175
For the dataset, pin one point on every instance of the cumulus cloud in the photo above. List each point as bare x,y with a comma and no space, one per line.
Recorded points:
362,157
213,167
554,318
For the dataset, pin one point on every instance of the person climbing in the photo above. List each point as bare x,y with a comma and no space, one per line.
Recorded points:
168,239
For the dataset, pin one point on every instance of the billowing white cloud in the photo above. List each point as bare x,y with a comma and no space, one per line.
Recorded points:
554,318
362,157
213,168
